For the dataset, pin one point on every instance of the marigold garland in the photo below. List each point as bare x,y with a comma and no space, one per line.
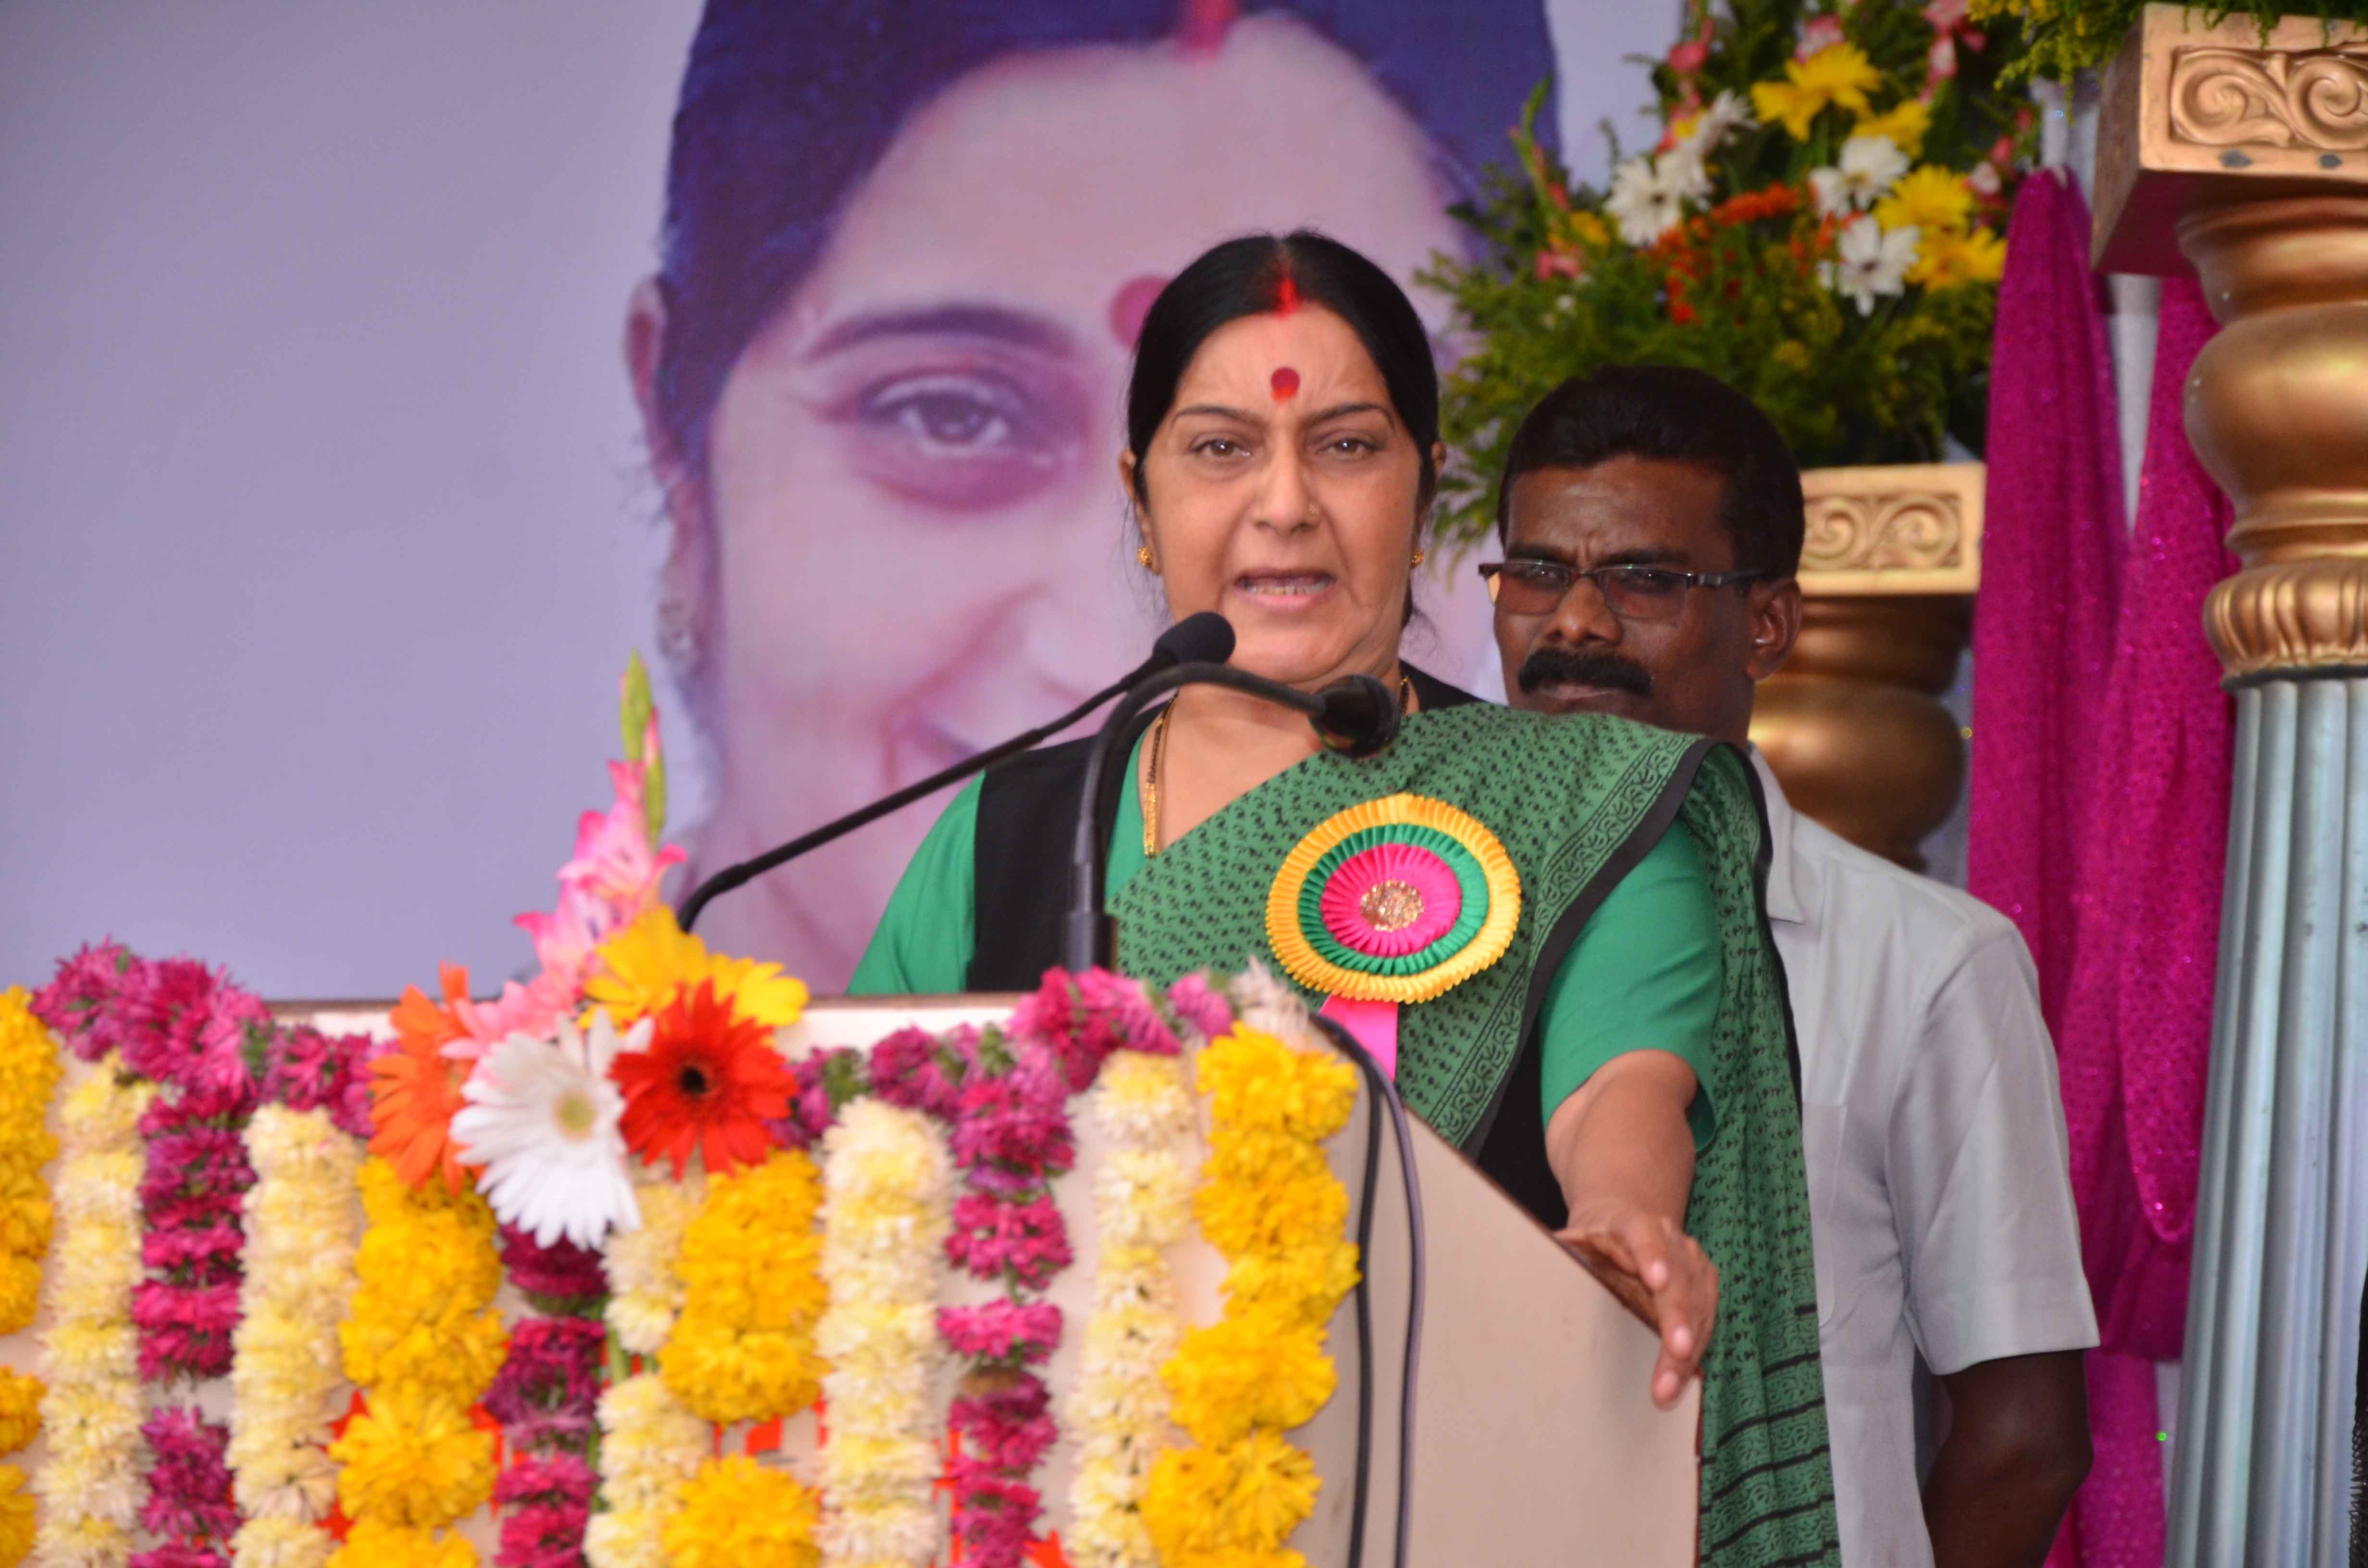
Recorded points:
285,1373
29,1075
1269,1202
736,1513
1143,1197
743,1347
886,1211
93,1408
423,1338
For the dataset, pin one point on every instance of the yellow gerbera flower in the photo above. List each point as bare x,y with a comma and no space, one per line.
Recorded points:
1905,122
1947,259
650,962
1838,73
1934,200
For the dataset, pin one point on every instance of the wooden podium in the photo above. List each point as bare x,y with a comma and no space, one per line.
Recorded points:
1535,1437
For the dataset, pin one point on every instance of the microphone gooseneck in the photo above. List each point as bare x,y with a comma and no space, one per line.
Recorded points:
1207,636
1356,717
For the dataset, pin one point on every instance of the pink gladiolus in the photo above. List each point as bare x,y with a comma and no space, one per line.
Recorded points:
613,860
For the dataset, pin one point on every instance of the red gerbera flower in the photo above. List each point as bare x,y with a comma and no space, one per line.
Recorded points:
709,1082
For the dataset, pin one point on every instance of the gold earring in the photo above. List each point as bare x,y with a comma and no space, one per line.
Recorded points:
1143,554
1419,555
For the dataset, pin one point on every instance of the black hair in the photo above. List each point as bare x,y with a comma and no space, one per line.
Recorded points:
787,107
1259,273
1673,415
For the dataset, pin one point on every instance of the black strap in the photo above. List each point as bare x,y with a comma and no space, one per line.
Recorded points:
1020,858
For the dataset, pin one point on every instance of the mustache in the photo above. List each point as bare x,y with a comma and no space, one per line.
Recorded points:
1553,665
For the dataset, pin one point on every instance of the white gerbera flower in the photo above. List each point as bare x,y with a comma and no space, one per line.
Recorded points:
542,1119
1648,202
1870,261
1869,166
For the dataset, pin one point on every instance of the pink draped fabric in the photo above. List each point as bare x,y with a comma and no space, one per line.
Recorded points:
2052,547
2100,810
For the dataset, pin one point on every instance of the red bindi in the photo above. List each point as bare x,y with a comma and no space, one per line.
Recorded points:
1284,382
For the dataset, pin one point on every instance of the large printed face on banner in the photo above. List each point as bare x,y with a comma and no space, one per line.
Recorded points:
906,538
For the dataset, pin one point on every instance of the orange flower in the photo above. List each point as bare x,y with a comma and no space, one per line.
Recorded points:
416,1088
1776,200
708,1082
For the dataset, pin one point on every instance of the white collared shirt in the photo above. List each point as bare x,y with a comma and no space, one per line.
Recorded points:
1939,1195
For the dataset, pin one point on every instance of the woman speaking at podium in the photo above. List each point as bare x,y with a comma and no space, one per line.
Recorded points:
1556,919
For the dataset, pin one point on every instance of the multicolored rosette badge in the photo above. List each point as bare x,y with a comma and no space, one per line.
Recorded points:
1393,901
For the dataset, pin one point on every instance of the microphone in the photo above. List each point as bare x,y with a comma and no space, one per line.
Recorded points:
1356,717
1204,638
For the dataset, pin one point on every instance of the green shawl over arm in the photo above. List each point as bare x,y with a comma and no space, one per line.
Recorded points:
1575,802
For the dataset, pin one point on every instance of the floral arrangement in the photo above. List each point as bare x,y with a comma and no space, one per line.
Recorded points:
705,1233
1271,1205
2068,37
1818,224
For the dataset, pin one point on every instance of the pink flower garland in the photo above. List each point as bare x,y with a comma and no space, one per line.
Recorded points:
545,1398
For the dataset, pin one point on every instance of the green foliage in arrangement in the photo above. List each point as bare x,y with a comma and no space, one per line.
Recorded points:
2068,37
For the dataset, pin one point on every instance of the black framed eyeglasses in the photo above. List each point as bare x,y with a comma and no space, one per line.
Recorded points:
1642,594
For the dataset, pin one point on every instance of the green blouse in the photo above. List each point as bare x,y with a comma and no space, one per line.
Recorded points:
1645,973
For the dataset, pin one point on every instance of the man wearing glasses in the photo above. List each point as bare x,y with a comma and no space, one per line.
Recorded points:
1652,520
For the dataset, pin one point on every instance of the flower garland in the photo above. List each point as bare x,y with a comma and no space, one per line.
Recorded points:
29,1075
1149,1123
545,1399
650,1449
423,1338
1011,1137
94,1406
1271,1204
286,1375
885,1217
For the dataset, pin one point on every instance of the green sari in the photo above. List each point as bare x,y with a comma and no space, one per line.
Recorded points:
1576,803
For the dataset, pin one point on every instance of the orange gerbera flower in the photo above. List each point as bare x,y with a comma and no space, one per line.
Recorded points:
415,1088
708,1082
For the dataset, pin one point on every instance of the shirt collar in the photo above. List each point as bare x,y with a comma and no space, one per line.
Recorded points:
1783,889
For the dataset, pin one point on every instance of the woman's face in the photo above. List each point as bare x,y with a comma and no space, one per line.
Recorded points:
1282,491
905,542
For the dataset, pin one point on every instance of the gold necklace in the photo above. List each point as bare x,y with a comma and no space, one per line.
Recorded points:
1147,789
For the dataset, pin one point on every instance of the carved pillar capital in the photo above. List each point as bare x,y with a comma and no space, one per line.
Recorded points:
1852,723
2302,615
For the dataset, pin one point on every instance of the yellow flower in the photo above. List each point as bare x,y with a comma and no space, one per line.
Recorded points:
1838,73
16,1516
413,1458
1947,259
646,965
20,1292
20,1410
738,1514
743,1350
1905,122
376,1545
283,1543
1934,200
1205,1505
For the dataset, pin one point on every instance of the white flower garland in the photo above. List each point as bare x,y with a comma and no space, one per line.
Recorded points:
287,1374
650,1444
90,1487
887,1207
1143,1206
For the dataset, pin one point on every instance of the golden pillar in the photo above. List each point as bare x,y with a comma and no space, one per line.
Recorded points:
2244,155
1853,724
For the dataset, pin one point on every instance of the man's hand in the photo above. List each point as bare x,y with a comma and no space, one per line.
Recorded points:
1625,1154
1661,1273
